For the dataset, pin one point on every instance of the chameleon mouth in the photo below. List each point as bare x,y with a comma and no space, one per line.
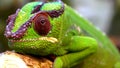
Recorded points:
49,39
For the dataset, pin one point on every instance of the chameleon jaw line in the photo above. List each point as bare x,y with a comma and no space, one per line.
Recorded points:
49,39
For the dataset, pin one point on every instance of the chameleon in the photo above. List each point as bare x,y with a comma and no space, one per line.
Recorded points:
53,28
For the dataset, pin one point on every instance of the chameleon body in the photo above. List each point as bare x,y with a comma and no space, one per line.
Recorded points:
45,28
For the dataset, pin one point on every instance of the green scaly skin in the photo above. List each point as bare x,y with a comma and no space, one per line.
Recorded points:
66,40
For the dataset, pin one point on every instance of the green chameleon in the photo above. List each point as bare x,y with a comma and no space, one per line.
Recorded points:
53,28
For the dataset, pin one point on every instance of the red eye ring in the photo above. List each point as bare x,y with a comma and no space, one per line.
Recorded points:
41,23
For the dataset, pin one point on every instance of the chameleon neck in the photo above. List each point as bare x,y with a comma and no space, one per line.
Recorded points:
90,29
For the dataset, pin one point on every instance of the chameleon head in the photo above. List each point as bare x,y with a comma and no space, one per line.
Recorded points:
35,28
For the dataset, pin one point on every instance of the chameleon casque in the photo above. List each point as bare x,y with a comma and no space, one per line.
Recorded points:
51,27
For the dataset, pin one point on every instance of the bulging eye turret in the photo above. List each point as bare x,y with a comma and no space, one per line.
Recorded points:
41,23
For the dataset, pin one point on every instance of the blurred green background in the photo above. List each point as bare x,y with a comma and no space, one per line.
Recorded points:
108,19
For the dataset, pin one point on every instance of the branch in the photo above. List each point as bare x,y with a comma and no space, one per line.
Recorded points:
11,59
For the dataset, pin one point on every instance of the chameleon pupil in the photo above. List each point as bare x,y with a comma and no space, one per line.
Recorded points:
42,21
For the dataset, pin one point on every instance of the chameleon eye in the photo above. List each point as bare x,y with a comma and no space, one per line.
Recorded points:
41,24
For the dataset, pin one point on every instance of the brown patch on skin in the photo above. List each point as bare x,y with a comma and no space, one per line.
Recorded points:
37,8
56,13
